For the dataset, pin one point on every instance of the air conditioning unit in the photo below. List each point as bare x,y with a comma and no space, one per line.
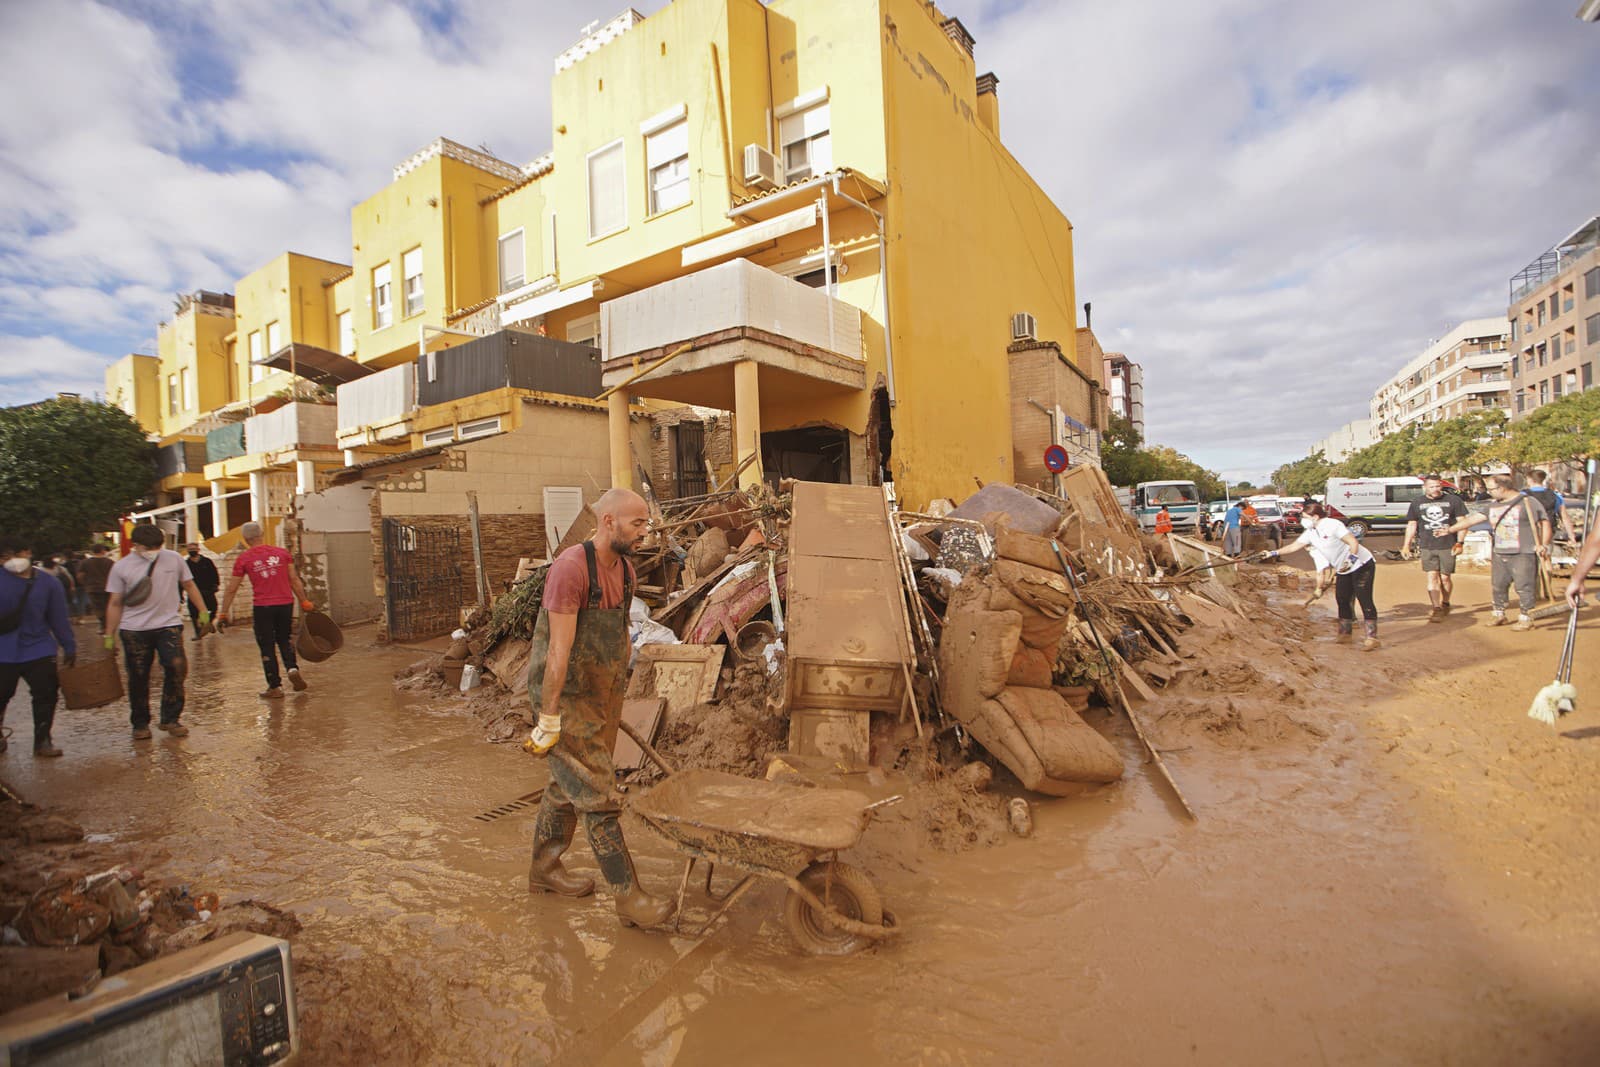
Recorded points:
760,167
1023,328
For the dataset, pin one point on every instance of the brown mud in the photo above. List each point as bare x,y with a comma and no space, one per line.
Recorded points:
1393,864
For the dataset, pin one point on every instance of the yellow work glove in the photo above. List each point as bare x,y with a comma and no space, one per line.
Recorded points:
544,736
110,641
203,619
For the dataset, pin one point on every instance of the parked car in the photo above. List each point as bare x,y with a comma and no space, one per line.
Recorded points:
1214,513
1269,515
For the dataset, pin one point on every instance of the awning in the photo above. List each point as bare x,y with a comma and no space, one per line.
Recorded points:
316,364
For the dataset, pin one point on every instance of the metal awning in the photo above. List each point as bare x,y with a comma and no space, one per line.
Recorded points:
316,364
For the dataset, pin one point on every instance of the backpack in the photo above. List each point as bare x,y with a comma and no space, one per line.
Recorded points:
13,618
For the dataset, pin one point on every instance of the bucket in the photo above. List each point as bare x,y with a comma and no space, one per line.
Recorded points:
320,637
451,669
91,685
753,638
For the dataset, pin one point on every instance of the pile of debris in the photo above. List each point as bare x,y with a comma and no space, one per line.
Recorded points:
74,910
823,623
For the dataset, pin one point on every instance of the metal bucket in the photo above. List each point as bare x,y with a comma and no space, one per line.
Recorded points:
91,685
320,637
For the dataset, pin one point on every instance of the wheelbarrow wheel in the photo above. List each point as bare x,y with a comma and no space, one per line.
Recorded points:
852,895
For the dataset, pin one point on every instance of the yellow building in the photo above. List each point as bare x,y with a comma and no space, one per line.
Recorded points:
288,303
193,351
133,383
813,196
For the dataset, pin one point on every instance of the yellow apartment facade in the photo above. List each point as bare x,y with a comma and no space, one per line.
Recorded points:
132,383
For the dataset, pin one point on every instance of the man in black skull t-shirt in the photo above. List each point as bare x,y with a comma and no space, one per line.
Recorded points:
1428,525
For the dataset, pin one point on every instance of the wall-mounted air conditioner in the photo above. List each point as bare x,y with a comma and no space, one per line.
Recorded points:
1023,328
760,167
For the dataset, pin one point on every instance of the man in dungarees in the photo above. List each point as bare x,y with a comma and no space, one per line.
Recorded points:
577,669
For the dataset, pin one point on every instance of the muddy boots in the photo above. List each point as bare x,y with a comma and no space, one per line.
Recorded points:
1372,641
551,836
1344,635
635,907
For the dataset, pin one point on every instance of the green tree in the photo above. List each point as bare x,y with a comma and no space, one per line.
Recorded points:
1465,443
1168,464
1304,477
1120,455
1564,431
68,468
1387,458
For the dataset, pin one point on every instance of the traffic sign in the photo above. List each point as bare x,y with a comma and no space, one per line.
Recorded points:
1055,459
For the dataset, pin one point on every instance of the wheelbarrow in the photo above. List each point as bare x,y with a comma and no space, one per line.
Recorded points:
780,832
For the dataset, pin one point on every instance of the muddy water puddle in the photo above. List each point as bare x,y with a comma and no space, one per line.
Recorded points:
1307,918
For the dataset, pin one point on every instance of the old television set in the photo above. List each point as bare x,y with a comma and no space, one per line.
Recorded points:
229,1002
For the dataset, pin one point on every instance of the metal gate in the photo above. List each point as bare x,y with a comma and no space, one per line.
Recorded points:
691,461
423,565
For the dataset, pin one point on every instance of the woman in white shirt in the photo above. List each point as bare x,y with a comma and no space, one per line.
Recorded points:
1330,542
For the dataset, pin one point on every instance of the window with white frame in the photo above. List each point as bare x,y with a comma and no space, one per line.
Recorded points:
480,428
256,373
806,146
382,306
411,273
347,334
186,388
513,260
584,330
172,394
666,160
608,191
438,437
274,338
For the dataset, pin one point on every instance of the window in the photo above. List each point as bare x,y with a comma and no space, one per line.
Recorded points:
585,330
1402,494
438,437
382,309
666,158
480,428
608,191
186,388
1555,387
1555,305
274,339
1587,372
1572,381
1514,324
1539,309
1541,352
806,143
1519,404
172,394
1591,330
1544,393
411,272
347,334
256,373
513,260
1591,282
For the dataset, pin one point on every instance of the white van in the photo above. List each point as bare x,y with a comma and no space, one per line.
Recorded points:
1373,503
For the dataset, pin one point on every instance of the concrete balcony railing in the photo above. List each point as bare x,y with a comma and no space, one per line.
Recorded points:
292,427
735,312
378,407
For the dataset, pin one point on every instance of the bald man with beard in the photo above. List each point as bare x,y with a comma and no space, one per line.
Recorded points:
578,665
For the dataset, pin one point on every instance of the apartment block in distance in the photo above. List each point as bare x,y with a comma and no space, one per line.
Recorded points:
1463,371
1125,381
1555,320
1352,437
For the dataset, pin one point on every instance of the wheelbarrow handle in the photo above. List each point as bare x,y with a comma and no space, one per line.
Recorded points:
884,803
649,749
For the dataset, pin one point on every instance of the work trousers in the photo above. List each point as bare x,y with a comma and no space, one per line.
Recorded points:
210,598
566,795
40,674
1232,541
1354,586
1513,568
274,627
98,601
140,650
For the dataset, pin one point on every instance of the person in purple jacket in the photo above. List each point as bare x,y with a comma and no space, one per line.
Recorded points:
33,623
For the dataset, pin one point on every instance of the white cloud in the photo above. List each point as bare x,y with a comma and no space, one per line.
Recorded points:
32,368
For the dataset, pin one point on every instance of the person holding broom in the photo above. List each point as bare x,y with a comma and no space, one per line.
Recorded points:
1587,556
1330,541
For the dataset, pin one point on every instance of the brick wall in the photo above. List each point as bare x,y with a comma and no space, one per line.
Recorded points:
663,465
1039,371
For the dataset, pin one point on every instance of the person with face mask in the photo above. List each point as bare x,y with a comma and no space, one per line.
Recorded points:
143,611
208,581
577,665
33,624
1330,541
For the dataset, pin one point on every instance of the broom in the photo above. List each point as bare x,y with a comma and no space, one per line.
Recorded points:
1560,696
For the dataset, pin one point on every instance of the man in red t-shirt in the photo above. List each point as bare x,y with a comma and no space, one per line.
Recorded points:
276,586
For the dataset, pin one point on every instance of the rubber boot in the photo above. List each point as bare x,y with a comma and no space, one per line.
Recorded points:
551,837
1346,627
635,907
1372,641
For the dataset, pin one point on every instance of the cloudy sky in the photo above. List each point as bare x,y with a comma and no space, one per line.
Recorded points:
1276,204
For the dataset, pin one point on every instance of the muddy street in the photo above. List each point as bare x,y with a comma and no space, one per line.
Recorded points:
1405,878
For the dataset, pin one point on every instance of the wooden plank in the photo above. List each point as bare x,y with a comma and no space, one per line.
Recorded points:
644,715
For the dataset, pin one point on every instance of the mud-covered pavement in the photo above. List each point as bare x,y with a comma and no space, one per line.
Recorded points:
1409,879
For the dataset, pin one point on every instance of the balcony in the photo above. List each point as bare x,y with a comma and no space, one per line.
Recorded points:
181,457
225,442
509,359
378,408
292,428
804,342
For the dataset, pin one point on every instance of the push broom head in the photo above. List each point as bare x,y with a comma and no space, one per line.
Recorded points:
1553,701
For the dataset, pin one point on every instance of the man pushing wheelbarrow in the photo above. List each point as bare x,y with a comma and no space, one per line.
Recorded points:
578,666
